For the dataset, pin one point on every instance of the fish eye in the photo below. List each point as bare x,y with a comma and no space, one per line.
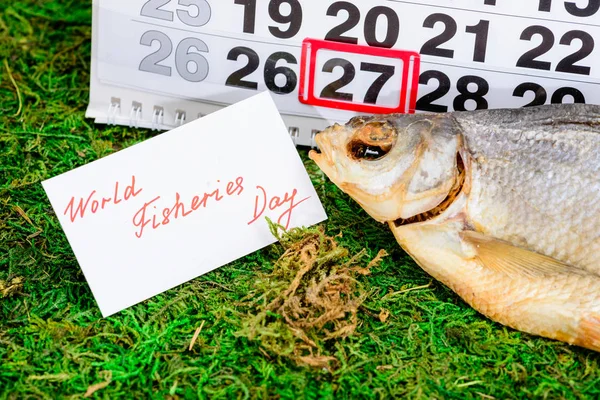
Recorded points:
373,141
363,151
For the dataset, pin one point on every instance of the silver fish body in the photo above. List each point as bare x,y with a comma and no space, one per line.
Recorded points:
536,179
503,206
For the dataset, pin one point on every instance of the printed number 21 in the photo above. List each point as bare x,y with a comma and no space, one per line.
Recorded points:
153,9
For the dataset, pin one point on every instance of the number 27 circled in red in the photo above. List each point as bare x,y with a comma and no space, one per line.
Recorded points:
373,80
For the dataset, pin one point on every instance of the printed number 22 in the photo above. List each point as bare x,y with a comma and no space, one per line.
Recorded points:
153,9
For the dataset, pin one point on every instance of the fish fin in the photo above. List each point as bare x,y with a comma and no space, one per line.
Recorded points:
504,257
547,115
590,332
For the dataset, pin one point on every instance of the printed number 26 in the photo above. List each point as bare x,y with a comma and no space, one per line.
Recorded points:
152,9
184,55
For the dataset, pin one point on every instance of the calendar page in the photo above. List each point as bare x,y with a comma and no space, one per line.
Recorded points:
160,63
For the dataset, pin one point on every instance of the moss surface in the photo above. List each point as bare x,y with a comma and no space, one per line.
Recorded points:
410,336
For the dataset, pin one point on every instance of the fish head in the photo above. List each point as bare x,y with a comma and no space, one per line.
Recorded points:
394,166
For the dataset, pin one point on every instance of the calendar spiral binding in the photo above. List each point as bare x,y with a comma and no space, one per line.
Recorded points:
294,134
313,135
180,117
114,110
158,116
135,115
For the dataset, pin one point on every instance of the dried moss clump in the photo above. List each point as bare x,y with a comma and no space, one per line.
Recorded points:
12,287
308,301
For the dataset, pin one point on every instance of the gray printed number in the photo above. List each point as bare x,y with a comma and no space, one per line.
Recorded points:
190,64
151,62
200,19
184,56
152,9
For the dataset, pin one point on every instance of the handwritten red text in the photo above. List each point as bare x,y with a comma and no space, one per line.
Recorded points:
150,216
287,204
94,202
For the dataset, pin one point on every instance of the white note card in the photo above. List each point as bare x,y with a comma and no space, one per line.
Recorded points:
181,204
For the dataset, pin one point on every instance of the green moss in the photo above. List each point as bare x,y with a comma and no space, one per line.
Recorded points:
54,343
308,302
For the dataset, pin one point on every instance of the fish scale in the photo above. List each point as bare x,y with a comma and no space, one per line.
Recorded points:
510,177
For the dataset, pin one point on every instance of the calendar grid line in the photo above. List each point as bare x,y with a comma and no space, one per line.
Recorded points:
495,13
509,73
214,34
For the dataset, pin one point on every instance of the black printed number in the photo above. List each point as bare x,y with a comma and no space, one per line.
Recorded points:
560,94
528,60
470,88
385,73
572,8
591,9
431,47
293,19
567,64
541,96
482,88
249,14
332,91
373,18
236,79
393,27
337,33
539,92
481,38
425,103
587,46
545,5
270,73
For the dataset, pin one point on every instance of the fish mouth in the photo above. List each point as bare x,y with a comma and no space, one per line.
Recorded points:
322,155
357,150
367,141
456,190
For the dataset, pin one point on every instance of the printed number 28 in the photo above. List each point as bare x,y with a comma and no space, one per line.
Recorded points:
153,9
482,88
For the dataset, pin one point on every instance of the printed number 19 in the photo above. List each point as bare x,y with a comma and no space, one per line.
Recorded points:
572,8
294,18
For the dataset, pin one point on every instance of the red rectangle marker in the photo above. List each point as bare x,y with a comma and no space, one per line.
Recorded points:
396,71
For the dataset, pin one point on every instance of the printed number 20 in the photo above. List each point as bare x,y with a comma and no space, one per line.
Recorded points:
152,9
